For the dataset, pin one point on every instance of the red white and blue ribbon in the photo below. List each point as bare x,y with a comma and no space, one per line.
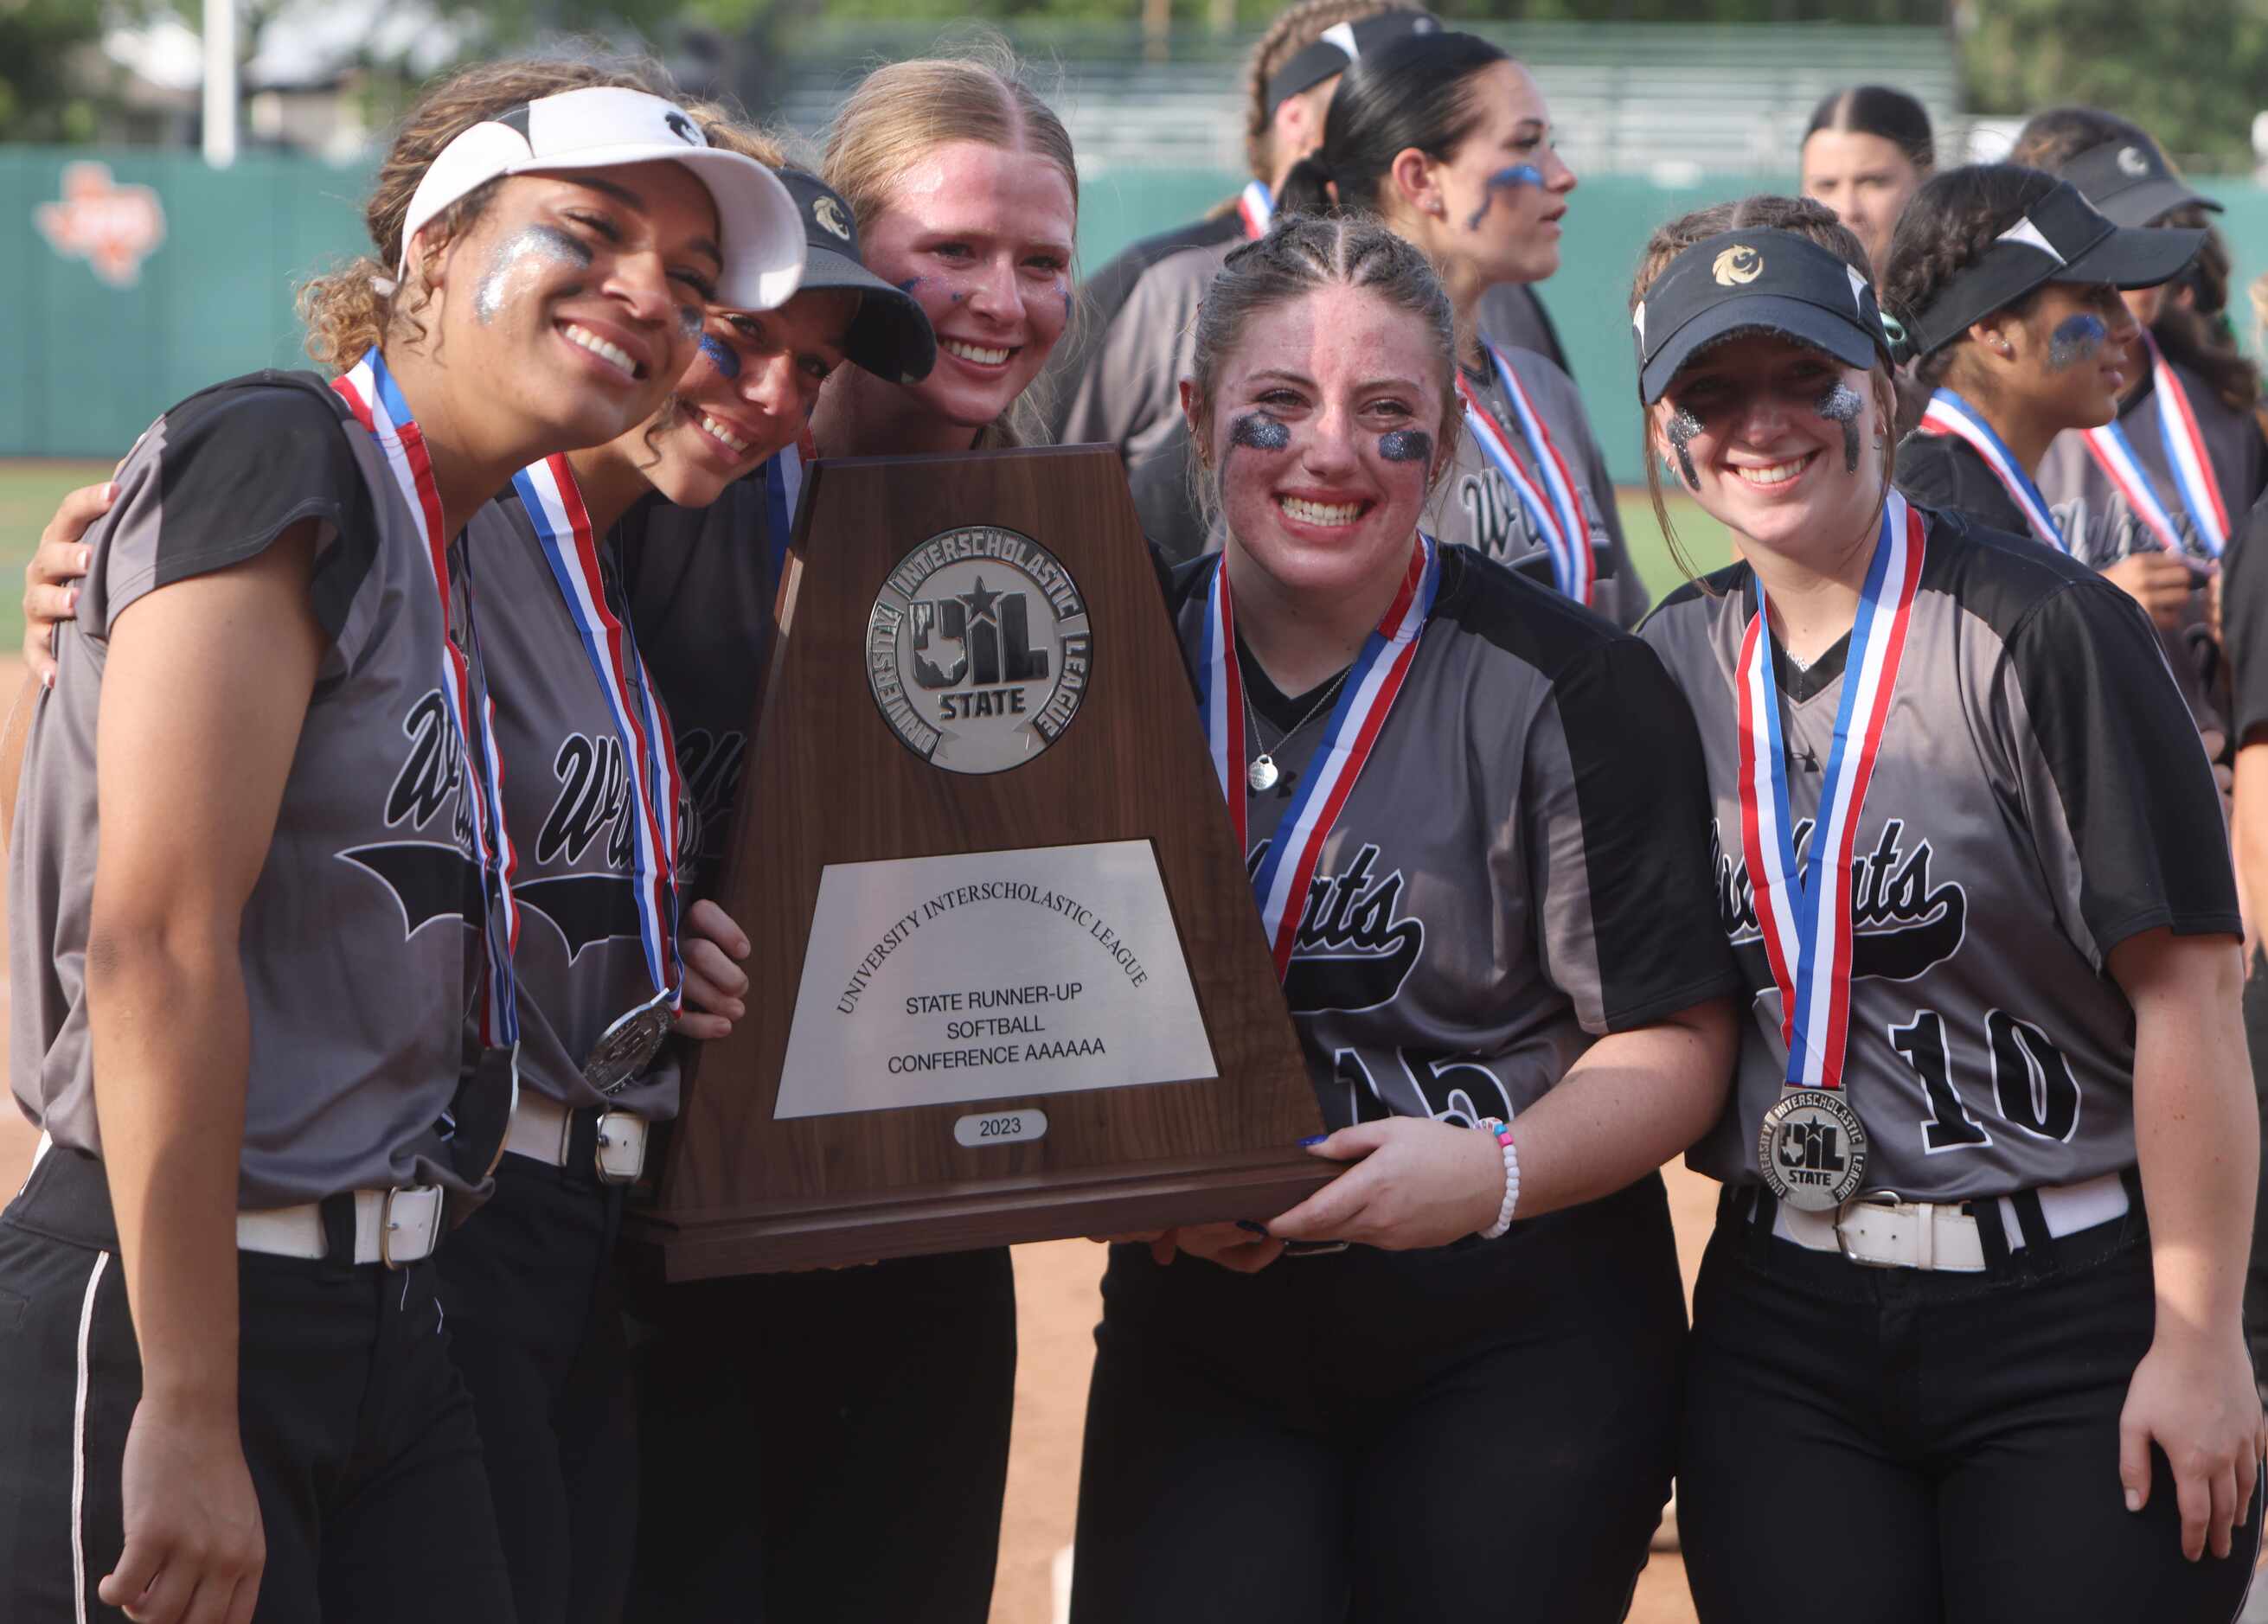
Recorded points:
562,532
1365,699
1804,911
1948,413
2186,454
2114,454
1256,205
377,402
1557,509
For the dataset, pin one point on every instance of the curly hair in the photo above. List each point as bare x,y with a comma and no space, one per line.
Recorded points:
1949,225
905,109
351,310
1296,27
1302,254
1798,217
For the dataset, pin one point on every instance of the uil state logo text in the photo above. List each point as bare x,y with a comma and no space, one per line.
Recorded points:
977,650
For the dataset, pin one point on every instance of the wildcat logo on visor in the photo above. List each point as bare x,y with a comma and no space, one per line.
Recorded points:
1737,267
829,213
2132,162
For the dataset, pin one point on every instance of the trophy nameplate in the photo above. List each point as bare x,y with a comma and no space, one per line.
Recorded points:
1007,979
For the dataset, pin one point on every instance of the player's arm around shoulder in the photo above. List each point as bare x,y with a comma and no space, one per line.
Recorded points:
205,689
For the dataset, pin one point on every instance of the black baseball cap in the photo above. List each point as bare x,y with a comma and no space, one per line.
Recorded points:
1744,281
890,336
1330,52
2131,183
2062,238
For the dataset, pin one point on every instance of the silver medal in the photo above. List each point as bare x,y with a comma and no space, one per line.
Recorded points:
624,1049
1261,774
1812,1150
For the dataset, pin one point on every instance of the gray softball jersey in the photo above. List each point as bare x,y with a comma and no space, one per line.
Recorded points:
572,804
1475,506
2038,798
358,967
1117,378
2102,527
1520,869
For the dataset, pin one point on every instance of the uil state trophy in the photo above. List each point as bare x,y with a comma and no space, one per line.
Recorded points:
1007,981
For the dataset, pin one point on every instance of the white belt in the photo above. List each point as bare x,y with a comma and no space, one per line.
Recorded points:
392,1227
543,1130
1885,1232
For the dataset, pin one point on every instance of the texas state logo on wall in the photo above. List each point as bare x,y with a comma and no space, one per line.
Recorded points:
113,228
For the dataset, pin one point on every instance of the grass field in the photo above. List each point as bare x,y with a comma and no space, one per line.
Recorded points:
30,490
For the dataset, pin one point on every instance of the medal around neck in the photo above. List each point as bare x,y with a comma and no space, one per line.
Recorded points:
1812,1149
626,1048
978,650
1261,774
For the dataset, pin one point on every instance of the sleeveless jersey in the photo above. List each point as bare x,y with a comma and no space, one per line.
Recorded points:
358,967
2039,797
701,585
572,806
1519,869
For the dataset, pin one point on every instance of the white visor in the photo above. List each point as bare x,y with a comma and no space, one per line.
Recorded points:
605,127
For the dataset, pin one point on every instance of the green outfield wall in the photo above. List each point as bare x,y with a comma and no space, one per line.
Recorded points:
111,313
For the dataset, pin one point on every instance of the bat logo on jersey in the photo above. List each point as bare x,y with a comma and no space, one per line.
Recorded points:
1354,948
1904,923
430,880
977,650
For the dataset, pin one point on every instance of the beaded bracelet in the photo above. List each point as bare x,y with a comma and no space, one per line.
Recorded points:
1503,1133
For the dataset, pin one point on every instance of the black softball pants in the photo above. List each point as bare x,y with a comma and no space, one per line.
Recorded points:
828,1447
356,1428
1482,1432
536,1327
1899,1446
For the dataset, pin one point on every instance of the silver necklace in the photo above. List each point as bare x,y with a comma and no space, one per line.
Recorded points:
1263,773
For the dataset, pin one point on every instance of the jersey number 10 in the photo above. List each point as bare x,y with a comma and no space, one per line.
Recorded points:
2032,1084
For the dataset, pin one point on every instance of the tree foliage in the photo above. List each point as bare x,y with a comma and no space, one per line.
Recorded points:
2192,72
40,98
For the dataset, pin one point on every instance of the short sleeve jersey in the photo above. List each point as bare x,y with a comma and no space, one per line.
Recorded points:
2038,799
702,585
1117,380
1519,869
2244,624
357,963
1475,506
572,804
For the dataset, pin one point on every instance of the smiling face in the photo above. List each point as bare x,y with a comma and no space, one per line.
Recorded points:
575,300
981,236
748,392
1776,440
1503,191
1324,435
1865,179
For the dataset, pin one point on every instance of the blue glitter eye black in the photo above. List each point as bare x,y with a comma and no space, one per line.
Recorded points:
720,355
2078,339
1260,432
1406,445
1506,180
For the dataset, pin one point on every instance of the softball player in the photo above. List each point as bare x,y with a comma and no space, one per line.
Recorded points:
1942,1362
876,1398
1865,152
2004,283
529,1290
1118,380
265,1436
1486,211
1432,830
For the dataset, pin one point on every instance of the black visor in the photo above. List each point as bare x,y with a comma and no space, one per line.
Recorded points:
2131,183
1341,44
2062,238
890,336
1740,282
